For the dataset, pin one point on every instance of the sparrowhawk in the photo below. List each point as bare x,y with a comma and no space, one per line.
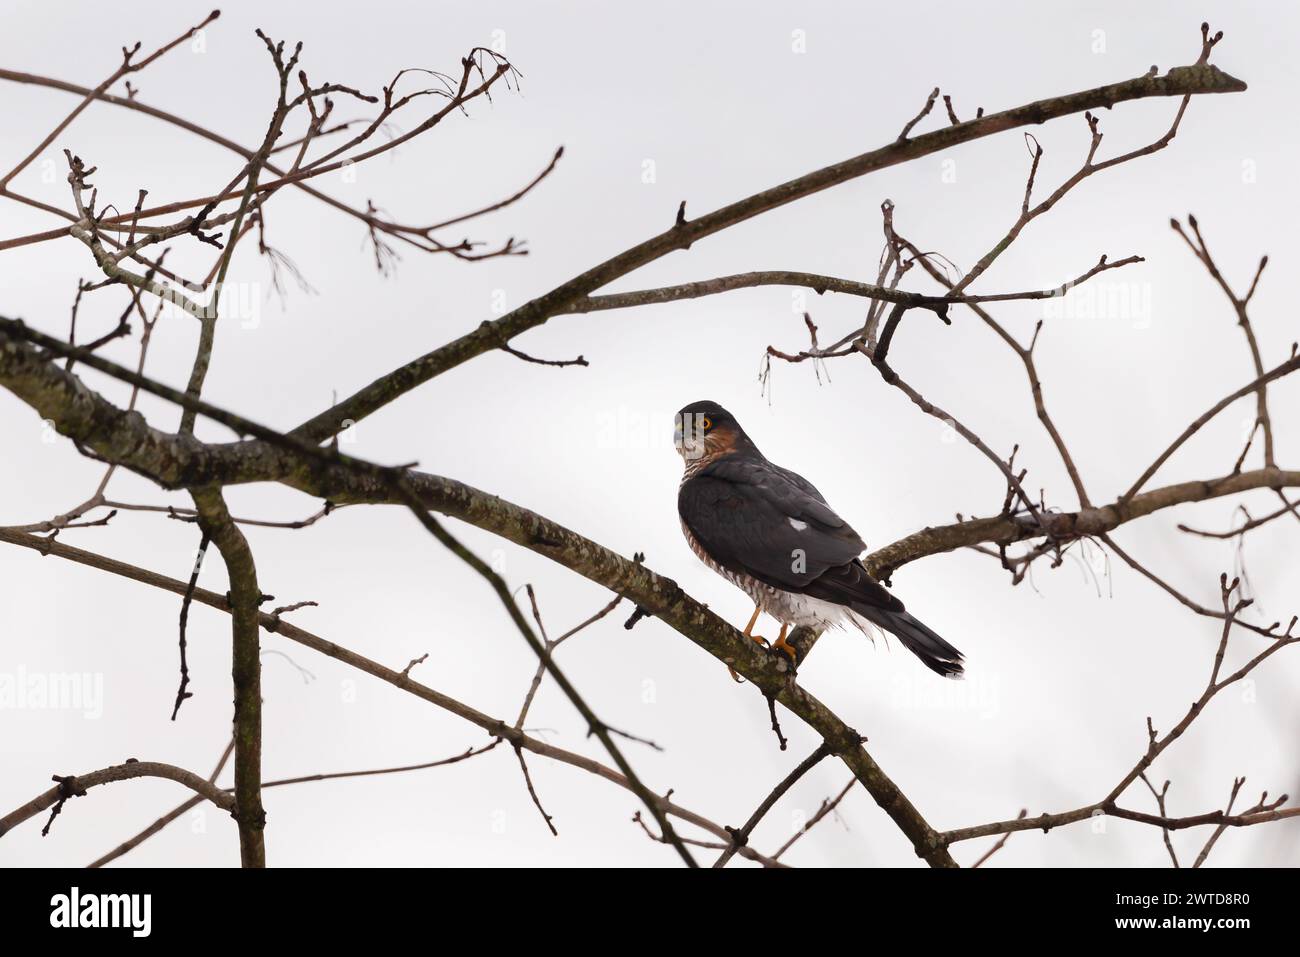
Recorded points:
769,531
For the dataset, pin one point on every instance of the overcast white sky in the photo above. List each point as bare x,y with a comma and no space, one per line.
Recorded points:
718,101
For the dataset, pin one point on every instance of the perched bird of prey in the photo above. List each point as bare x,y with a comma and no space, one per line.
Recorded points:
769,532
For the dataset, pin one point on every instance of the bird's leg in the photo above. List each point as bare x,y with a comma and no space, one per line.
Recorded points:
749,629
784,646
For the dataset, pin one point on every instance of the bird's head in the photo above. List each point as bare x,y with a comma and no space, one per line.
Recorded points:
705,430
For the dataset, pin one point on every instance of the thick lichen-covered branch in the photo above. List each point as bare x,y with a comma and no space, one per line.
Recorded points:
287,461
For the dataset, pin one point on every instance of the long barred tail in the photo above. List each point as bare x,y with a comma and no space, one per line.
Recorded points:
935,653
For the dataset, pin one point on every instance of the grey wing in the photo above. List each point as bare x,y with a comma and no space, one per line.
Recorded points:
800,482
773,525
751,517
797,480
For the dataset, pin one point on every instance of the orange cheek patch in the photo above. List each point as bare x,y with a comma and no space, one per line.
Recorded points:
721,439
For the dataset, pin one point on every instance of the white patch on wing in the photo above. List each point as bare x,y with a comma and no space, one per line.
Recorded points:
797,525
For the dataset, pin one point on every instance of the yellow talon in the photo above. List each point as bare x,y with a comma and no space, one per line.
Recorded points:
784,646
749,633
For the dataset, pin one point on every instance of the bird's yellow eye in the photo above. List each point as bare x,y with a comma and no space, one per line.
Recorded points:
706,423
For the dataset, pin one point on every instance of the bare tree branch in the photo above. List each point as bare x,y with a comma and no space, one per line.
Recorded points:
1181,81
78,785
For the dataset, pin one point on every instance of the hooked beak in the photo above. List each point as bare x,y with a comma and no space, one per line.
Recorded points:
688,437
